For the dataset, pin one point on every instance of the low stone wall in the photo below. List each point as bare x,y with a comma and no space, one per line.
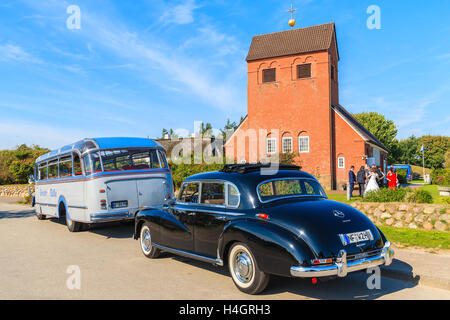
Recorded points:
14,190
407,215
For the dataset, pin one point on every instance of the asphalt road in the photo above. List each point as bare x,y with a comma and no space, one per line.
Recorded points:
35,256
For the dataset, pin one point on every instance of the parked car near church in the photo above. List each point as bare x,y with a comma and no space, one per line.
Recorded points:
262,223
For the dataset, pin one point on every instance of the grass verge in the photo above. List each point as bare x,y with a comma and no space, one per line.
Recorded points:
417,238
342,197
434,191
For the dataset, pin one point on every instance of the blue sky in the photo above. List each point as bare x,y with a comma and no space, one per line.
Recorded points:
137,66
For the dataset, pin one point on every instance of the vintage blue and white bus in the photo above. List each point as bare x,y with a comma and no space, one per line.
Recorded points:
100,180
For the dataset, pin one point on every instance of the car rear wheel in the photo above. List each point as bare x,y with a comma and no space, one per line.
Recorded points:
244,270
147,248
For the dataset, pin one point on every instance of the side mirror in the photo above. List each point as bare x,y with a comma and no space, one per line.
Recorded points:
31,178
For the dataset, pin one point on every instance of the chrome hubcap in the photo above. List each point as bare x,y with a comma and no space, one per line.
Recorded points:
146,241
243,267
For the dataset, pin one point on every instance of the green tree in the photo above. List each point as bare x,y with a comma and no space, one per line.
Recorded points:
407,152
435,149
16,165
447,159
383,129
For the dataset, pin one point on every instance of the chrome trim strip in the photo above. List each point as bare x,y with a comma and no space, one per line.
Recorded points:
186,254
78,207
111,214
217,212
342,267
46,204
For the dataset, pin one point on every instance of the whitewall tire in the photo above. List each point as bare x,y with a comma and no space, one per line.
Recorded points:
147,248
244,270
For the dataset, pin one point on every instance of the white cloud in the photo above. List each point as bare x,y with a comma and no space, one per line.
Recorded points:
180,14
10,52
171,65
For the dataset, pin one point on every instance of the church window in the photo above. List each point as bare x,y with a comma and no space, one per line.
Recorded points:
304,71
303,144
287,145
332,73
271,145
341,162
269,75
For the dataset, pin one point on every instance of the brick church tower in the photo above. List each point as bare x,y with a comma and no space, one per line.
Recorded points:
293,107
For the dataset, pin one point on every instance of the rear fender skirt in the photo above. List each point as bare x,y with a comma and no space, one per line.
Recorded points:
276,250
153,218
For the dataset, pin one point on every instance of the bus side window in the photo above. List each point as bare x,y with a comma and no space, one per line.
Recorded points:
53,169
162,157
92,163
77,171
65,167
154,159
42,171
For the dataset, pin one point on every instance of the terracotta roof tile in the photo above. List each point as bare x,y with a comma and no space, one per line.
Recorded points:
302,40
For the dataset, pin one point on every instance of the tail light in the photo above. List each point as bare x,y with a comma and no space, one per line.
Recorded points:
322,261
263,216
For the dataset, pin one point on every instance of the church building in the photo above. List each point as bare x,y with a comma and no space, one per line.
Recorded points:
293,107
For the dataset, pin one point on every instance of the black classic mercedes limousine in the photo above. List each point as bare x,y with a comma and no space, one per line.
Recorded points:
259,220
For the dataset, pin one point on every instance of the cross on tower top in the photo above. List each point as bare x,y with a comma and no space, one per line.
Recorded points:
291,11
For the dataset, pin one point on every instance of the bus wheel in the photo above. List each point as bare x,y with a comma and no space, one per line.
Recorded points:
73,226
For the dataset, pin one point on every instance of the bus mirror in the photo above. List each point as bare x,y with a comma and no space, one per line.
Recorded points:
31,178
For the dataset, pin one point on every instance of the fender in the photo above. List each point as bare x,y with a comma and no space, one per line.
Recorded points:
63,200
153,217
276,249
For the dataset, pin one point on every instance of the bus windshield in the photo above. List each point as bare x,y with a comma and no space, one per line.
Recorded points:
125,159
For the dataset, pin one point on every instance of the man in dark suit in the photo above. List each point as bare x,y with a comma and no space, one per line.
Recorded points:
361,180
351,179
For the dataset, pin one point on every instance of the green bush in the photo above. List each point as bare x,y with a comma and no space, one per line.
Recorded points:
181,171
401,176
386,195
441,177
419,196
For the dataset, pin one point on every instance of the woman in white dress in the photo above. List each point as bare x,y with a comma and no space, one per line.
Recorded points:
372,185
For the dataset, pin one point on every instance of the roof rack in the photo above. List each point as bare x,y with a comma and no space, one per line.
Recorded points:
251,167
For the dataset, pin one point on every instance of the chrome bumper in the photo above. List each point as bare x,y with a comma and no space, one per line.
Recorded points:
341,268
111,216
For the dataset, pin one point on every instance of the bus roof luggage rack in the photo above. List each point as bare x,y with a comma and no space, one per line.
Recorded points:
252,167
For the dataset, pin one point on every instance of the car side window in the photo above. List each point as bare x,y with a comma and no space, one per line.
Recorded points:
213,193
233,196
189,193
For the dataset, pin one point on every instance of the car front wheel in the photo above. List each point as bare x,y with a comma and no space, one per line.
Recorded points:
146,243
245,271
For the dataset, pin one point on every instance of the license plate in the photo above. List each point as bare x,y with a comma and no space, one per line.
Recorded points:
119,204
358,236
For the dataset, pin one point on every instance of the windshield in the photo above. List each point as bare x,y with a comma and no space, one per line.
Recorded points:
289,187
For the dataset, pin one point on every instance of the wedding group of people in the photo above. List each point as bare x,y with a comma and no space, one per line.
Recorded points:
371,179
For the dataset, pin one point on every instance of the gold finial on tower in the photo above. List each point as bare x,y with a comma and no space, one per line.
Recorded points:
292,20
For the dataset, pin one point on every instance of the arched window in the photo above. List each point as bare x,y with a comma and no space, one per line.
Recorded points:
303,143
286,143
